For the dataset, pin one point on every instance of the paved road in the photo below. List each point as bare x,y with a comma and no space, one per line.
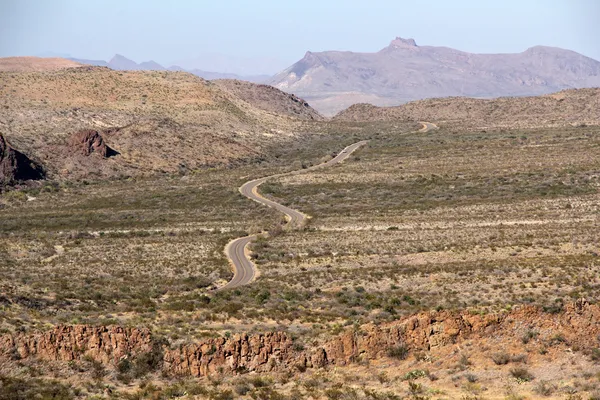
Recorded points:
244,271
427,126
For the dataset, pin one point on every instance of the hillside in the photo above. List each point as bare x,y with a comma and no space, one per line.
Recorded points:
31,64
404,71
155,121
568,107
269,99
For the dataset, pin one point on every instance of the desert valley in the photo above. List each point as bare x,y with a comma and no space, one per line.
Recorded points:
417,235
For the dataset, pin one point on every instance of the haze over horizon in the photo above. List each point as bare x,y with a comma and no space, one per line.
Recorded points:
265,37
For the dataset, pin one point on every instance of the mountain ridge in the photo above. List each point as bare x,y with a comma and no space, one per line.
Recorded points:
122,63
404,71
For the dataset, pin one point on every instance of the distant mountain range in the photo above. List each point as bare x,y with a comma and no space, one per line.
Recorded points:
333,80
119,62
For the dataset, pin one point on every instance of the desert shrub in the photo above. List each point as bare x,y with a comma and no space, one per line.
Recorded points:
25,389
124,366
222,395
530,334
260,382
400,352
262,296
464,362
557,339
414,374
147,362
501,358
521,374
98,370
595,355
544,388
242,389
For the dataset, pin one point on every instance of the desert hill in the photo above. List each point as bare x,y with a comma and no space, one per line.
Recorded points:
404,71
157,121
30,64
568,107
269,99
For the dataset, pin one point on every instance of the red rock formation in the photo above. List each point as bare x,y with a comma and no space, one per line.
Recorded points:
578,324
15,166
261,352
89,141
66,343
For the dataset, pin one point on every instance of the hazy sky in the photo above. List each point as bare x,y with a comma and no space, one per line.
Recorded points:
264,36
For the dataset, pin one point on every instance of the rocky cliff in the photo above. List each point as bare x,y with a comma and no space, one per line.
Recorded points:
578,326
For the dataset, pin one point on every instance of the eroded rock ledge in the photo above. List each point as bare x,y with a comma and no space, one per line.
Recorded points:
578,325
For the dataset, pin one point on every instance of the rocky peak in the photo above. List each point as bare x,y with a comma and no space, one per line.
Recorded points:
403,43
310,60
120,62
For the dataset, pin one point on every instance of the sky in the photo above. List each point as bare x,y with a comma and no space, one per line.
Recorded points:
266,36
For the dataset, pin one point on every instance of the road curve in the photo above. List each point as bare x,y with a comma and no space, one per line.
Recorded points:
427,126
244,270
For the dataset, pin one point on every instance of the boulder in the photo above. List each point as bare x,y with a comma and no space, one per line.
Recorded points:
88,142
16,166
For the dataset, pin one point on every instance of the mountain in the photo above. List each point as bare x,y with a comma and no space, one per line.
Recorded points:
151,66
119,62
574,107
404,71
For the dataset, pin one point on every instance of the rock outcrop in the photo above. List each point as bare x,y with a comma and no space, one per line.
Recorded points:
66,343
241,352
89,142
578,326
16,166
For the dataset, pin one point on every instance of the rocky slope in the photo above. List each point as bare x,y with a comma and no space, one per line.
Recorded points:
437,333
569,107
158,122
404,71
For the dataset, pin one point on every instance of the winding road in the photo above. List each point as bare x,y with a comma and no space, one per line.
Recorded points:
427,126
244,271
